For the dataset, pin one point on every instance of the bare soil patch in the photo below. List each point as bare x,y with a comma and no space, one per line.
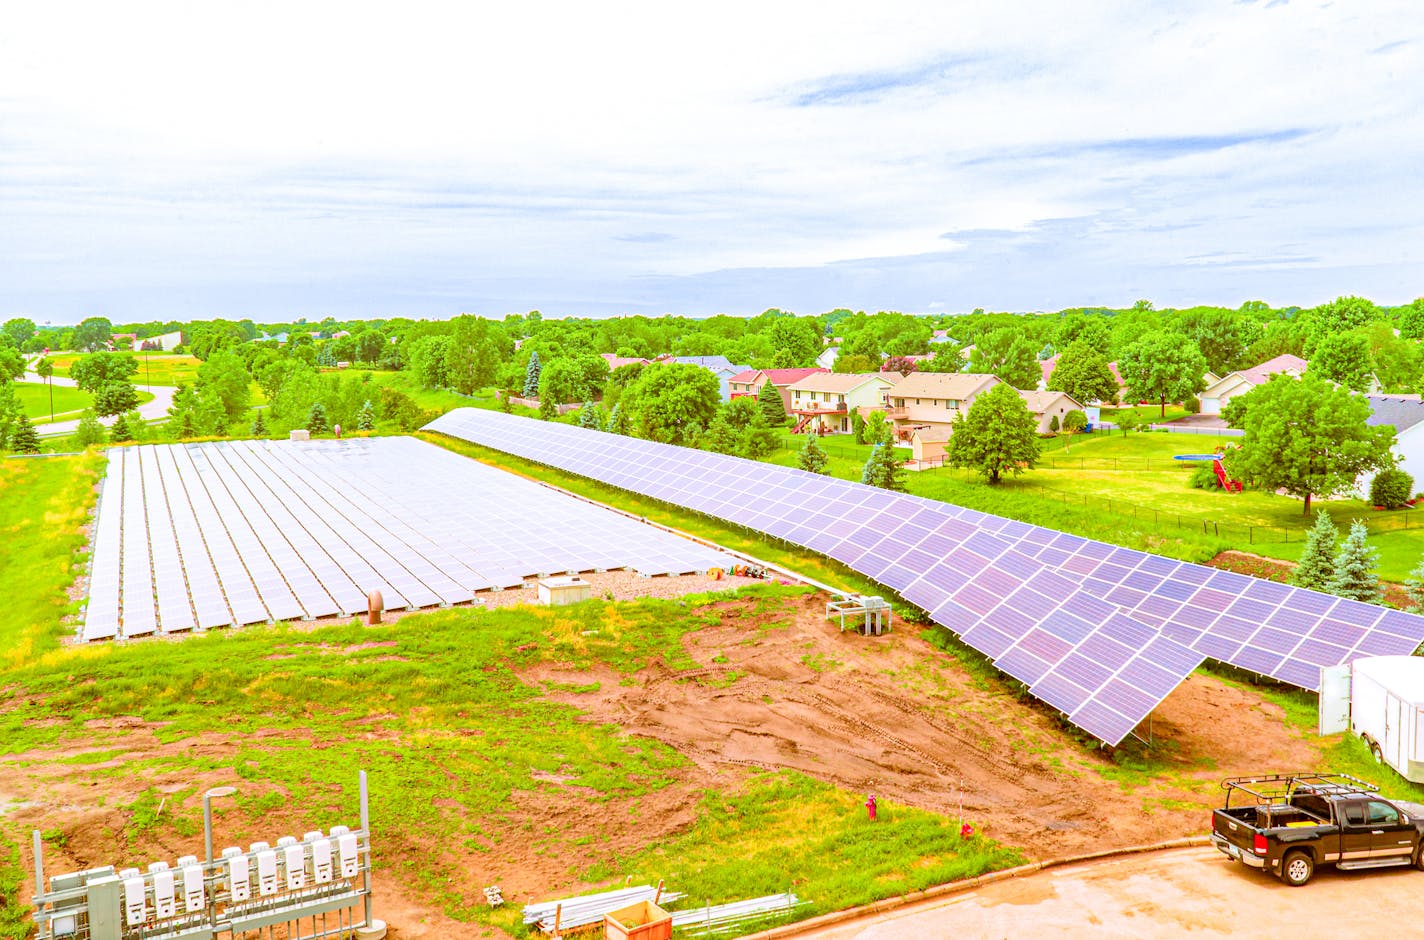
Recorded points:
888,715
1273,569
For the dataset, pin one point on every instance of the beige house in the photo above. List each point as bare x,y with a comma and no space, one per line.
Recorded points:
751,381
931,399
823,401
1216,395
1049,405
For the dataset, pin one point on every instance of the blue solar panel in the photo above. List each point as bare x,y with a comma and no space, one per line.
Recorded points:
937,550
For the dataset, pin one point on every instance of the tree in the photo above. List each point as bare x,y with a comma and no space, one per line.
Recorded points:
259,423
758,439
672,403
548,410
796,340
948,357
115,398
1355,577
1414,587
316,419
901,364
1053,424
1341,315
588,417
1223,336
618,420
561,382
20,330
1305,436
1083,328
45,370
474,353
92,334
531,376
1411,320
772,407
12,364
120,431
1131,421
855,364
998,435
875,428
366,417
224,377
1162,367
1391,488
1344,358
89,431
1009,354
1316,566
1083,372
370,344
24,440
857,427
721,437
94,371
882,469
812,458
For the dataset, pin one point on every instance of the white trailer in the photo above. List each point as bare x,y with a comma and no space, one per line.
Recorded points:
1387,710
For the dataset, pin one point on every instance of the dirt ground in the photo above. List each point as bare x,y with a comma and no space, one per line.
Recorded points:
1195,892
885,715
1273,569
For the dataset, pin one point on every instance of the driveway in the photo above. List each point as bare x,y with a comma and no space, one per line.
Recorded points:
1193,892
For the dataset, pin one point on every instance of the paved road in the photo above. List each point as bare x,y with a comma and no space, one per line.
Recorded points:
1195,892
155,410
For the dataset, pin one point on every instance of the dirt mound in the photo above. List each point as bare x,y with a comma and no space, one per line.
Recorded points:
896,717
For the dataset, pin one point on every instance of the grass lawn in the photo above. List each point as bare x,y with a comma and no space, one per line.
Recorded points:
153,368
35,400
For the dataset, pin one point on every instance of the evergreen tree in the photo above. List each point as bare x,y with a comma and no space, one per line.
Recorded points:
883,469
187,426
811,458
1053,424
531,377
366,417
1316,567
23,439
1355,563
721,437
506,402
857,427
1414,587
588,416
769,398
316,419
617,420
119,431
89,431
259,424
758,438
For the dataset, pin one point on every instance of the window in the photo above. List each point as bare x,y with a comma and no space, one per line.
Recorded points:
1382,814
1355,814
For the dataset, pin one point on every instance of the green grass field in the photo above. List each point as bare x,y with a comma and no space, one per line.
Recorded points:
36,401
153,368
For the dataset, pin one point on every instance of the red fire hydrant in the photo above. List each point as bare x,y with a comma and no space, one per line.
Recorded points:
870,807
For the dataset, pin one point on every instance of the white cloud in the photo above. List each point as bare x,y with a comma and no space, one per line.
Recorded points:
178,149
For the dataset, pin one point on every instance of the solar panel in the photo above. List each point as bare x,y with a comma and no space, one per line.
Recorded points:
972,571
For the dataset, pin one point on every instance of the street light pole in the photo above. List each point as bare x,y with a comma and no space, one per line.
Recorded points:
208,816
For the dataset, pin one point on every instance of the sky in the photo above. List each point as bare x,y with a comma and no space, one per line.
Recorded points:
280,160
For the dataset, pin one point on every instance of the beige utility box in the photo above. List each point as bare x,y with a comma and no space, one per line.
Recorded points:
556,592
300,434
641,921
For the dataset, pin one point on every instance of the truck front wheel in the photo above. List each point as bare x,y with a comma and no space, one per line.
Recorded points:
1296,868
1419,857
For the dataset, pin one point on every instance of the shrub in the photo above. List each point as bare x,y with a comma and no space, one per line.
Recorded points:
1192,404
1053,423
1204,478
1075,421
1391,488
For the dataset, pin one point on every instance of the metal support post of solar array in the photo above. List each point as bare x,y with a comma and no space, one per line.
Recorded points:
311,888
1099,632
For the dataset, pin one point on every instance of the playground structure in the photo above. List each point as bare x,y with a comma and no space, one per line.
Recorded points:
1227,484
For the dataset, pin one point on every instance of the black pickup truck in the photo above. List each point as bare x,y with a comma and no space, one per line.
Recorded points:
1289,823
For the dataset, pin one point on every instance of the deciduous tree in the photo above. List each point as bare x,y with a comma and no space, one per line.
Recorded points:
1162,367
1009,354
672,402
115,398
1305,436
224,377
1082,371
1344,358
92,334
997,436
94,371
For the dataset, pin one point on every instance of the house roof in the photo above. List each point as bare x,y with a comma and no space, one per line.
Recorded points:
1285,362
715,363
933,433
777,377
839,382
1402,411
1039,402
615,362
952,385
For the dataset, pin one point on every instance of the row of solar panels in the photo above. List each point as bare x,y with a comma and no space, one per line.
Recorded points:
231,533
1100,632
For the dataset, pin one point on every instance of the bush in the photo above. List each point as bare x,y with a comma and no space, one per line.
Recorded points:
1192,404
1391,488
1053,424
1075,421
1204,478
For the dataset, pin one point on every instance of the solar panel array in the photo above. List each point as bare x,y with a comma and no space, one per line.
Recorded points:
1100,632
239,532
